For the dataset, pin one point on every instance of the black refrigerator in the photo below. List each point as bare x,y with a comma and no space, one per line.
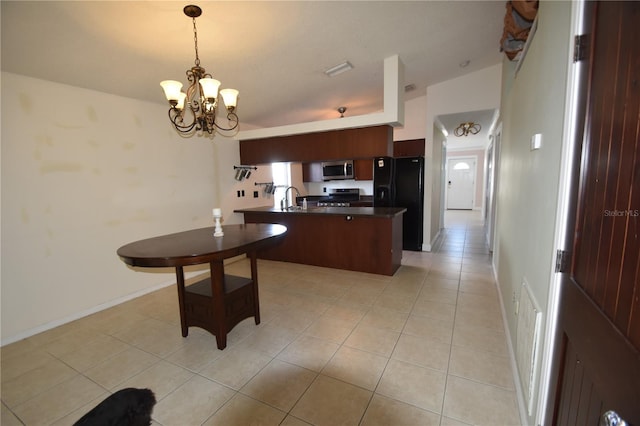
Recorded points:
399,182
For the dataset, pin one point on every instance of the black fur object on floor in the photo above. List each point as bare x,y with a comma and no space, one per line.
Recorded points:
127,407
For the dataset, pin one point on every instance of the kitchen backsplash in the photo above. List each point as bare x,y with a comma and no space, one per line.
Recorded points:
318,188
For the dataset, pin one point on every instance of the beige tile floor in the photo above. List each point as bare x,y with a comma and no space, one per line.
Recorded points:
424,347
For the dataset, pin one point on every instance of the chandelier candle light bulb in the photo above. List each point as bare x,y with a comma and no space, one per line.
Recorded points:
209,88
230,98
172,90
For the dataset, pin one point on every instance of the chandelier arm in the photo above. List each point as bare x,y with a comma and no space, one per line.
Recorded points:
176,118
232,118
190,99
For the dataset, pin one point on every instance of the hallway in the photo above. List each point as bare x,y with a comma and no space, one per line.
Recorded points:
424,347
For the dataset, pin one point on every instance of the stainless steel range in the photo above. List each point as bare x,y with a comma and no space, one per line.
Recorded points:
338,197
334,204
341,197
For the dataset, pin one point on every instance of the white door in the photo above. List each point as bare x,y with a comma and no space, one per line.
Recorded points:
461,174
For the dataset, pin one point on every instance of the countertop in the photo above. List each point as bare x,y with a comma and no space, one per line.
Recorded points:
353,211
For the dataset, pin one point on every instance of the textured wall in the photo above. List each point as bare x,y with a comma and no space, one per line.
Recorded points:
83,173
533,102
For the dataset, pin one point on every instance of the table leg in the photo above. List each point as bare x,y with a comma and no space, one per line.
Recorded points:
180,285
217,293
254,277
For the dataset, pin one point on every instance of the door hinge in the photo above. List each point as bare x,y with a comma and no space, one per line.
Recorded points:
563,258
580,47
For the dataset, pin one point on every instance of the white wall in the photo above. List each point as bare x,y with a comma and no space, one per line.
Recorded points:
533,102
83,173
415,124
230,187
435,177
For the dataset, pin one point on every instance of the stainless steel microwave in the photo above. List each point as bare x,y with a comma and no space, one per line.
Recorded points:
335,170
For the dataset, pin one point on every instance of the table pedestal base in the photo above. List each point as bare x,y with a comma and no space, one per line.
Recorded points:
219,303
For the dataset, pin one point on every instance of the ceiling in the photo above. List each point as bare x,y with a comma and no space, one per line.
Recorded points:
274,53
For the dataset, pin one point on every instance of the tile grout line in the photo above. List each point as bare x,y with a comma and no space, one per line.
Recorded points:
373,392
446,378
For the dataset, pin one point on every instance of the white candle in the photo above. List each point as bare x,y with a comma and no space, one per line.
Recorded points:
217,212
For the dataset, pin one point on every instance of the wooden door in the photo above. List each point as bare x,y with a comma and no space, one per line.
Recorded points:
598,356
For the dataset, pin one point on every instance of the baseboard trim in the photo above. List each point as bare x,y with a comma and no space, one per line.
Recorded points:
435,242
522,409
101,307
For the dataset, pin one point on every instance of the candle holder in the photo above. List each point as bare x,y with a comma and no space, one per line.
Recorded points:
217,214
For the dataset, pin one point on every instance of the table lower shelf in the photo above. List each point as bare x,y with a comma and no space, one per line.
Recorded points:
239,303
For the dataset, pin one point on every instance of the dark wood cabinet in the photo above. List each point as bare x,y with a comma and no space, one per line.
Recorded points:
351,144
312,172
366,243
409,148
363,168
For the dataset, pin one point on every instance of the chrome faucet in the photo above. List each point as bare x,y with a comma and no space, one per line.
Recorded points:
286,199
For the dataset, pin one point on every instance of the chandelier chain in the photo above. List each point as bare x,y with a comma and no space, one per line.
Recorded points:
195,41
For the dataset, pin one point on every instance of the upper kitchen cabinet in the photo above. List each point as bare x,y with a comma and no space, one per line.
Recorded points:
363,168
365,142
312,172
409,148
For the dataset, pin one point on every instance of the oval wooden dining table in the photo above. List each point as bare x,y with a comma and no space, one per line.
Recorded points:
220,301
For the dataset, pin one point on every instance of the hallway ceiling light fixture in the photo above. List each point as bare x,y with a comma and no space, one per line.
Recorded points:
201,100
465,128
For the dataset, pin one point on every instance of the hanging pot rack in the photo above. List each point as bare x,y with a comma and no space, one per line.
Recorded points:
243,172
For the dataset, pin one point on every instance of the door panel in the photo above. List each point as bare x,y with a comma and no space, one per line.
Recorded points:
601,368
461,183
579,384
599,354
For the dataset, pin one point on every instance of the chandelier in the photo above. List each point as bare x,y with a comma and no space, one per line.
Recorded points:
195,111
465,128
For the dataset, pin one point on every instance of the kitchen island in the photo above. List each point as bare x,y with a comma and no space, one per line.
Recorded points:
365,239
